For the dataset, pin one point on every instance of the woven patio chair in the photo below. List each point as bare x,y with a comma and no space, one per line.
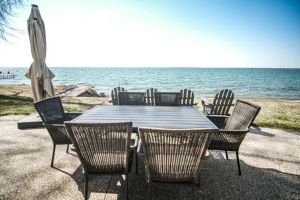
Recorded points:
149,97
103,148
187,98
114,94
53,116
174,155
167,98
131,98
221,103
235,128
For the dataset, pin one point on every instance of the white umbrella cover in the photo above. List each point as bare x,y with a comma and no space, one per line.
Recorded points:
38,72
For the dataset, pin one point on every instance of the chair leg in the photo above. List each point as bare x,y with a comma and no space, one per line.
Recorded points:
194,192
67,148
136,163
126,186
226,155
238,162
52,160
149,191
86,179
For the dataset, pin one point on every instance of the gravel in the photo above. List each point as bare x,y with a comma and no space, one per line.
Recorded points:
270,163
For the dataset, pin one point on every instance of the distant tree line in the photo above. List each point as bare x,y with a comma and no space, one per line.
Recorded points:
6,12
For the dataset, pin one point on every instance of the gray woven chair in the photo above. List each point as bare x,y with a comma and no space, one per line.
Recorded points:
174,155
167,98
115,93
235,128
149,97
53,116
102,149
187,98
221,103
131,98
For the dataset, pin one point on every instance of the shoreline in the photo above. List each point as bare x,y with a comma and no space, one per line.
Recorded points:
60,88
274,113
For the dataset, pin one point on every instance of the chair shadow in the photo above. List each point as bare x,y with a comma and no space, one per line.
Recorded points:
103,186
258,131
219,179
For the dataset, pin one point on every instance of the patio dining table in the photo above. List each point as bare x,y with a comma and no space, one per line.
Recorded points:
148,116
172,117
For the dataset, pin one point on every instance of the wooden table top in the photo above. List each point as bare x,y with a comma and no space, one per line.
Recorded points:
148,116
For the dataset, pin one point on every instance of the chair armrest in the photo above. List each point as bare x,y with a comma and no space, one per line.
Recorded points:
134,137
58,133
72,115
218,120
205,102
234,132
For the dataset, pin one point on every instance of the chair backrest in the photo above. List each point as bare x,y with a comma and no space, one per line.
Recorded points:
51,110
242,116
174,155
222,102
150,97
114,94
167,98
131,98
101,147
187,97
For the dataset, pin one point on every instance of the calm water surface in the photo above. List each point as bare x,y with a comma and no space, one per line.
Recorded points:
246,83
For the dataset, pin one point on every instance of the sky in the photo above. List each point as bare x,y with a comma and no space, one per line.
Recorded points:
161,33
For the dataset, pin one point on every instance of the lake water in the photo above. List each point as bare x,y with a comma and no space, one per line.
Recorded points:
245,83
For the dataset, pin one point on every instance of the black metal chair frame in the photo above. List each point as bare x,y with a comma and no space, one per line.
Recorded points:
168,98
131,98
230,138
53,116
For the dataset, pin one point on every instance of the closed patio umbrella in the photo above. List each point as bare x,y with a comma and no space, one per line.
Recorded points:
38,72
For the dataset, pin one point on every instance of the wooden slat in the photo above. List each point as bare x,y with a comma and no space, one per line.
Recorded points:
222,102
114,94
150,96
187,98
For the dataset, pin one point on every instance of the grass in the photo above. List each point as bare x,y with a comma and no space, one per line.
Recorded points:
20,105
15,105
16,99
279,114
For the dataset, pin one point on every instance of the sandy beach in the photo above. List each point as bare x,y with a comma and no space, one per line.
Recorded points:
275,113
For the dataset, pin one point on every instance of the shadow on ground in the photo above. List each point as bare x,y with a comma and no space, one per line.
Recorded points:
269,162
219,179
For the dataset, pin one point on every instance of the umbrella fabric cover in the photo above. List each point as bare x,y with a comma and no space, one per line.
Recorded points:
38,72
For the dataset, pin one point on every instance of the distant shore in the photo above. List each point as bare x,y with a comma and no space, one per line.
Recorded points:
275,113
